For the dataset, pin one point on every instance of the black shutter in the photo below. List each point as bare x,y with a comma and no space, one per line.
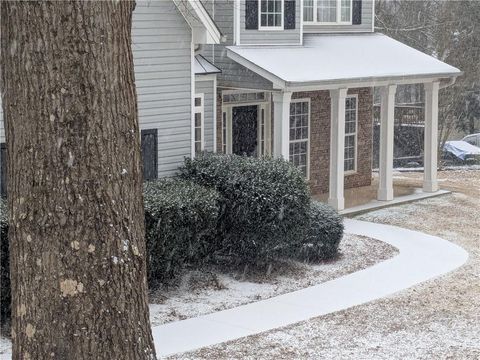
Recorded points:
149,154
251,15
357,12
3,170
289,15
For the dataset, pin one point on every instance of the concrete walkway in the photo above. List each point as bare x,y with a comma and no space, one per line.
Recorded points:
421,257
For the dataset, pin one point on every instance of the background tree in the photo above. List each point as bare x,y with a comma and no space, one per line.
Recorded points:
74,181
449,31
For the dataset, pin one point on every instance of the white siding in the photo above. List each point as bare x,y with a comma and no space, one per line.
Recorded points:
205,87
162,57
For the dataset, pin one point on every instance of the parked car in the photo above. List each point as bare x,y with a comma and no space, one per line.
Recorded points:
461,152
473,139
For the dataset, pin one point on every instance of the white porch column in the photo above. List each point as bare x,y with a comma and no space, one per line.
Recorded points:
281,126
387,121
337,149
430,152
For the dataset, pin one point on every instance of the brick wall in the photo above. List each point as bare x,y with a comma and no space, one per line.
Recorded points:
320,137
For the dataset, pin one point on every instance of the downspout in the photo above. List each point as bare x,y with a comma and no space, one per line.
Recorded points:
447,82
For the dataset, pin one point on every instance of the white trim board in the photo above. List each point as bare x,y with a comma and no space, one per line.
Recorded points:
422,257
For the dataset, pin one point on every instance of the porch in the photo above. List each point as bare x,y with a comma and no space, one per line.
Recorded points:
327,65
363,199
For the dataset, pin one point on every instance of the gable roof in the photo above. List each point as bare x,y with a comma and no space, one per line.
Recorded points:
341,59
204,29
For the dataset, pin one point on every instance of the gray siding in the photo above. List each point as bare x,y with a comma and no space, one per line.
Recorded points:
365,26
162,57
264,37
205,87
233,75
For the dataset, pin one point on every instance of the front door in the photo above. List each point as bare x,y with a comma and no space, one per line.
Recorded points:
244,130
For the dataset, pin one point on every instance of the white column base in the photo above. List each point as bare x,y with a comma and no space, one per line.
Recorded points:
385,194
430,186
337,203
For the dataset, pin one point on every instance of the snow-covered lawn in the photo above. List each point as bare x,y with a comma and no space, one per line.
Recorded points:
439,319
204,292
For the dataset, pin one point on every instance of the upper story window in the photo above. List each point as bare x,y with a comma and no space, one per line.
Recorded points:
270,14
327,11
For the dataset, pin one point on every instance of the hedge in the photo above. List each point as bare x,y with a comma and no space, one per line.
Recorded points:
325,231
266,203
181,220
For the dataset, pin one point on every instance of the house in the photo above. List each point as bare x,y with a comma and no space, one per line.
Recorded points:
286,78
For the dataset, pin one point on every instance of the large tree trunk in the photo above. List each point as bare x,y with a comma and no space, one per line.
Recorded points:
74,181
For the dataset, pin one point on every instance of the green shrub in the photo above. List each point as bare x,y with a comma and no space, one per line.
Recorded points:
266,203
5,293
181,219
325,231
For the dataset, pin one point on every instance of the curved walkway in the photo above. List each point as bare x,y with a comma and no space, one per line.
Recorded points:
421,257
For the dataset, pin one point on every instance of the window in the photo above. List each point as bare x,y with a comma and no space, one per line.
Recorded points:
299,134
149,139
351,134
327,11
271,14
261,133
224,132
198,124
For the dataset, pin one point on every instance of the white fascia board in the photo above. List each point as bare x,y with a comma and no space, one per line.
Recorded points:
277,82
212,34
368,82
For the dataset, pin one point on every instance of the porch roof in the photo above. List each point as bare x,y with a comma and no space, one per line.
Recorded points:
204,67
329,61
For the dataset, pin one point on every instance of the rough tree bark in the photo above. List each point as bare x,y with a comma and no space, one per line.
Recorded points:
74,181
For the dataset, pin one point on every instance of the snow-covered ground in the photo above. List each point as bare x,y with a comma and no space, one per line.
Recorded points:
439,319
205,292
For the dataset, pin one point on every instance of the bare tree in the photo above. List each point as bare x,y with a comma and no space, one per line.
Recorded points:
74,181
449,31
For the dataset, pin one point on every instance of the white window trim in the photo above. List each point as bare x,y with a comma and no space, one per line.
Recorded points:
355,159
339,15
270,28
309,132
199,110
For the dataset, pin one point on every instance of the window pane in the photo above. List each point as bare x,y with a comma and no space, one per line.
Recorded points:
198,101
198,119
308,10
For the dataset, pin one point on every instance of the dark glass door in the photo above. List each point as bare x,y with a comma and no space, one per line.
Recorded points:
244,130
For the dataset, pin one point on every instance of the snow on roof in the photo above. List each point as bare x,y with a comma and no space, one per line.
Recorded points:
330,58
204,67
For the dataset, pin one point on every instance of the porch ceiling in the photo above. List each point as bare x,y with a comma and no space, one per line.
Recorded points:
329,61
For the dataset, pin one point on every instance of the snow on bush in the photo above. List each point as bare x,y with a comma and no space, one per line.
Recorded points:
266,203
325,231
181,221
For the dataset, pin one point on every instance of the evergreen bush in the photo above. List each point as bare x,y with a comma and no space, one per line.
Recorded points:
181,220
325,231
266,203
